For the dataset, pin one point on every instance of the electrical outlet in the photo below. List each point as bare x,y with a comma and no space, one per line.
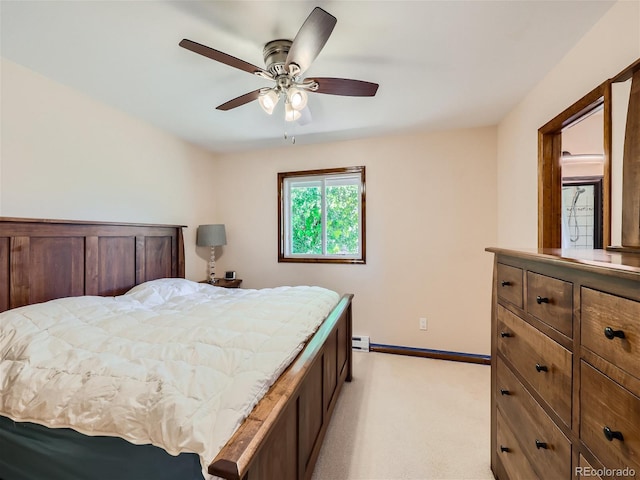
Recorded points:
423,323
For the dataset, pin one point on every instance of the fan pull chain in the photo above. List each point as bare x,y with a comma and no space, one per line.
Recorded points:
286,135
293,138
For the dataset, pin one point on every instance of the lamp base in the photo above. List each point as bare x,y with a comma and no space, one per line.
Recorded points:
212,264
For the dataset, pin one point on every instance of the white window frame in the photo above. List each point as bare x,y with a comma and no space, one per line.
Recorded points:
346,175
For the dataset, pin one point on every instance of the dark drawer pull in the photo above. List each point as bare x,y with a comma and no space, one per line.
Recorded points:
610,333
540,445
540,299
611,434
505,283
504,391
505,334
541,368
504,449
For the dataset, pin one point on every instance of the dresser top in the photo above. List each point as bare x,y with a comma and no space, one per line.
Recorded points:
623,262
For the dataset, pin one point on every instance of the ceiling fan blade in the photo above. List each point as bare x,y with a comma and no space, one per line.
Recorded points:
344,86
311,37
223,57
239,101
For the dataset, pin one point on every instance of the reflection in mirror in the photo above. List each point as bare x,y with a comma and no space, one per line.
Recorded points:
576,143
582,167
582,212
619,98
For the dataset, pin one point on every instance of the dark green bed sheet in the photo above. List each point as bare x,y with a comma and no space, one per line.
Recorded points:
33,452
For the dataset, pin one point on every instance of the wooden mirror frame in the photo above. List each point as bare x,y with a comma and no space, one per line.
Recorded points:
550,169
631,162
550,174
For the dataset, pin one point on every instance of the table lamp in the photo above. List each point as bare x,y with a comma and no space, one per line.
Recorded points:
211,236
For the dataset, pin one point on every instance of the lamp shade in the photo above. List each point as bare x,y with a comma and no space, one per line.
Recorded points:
268,99
297,98
290,114
211,236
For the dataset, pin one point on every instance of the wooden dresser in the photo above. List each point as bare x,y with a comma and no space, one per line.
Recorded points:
565,365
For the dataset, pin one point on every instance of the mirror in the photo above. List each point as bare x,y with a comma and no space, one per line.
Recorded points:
583,133
620,195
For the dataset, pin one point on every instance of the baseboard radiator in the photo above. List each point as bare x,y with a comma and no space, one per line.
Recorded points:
363,343
430,353
360,342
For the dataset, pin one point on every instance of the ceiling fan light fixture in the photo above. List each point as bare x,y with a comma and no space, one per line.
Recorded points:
291,114
286,61
297,98
268,100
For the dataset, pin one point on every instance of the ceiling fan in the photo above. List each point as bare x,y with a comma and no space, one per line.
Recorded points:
285,62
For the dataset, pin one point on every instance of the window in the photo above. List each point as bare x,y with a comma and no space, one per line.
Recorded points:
322,216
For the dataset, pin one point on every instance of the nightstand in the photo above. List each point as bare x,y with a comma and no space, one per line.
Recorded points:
223,282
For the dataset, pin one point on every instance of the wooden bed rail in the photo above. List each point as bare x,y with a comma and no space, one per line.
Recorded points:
282,436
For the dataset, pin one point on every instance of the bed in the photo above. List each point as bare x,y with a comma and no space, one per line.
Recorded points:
42,260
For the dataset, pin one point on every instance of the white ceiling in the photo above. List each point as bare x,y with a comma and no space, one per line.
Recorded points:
440,64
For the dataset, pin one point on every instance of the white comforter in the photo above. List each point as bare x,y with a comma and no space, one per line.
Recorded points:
173,363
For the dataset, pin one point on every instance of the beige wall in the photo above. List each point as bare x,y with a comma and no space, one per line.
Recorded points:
65,156
430,214
609,47
430,202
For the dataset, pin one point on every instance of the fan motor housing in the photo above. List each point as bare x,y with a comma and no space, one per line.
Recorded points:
275,55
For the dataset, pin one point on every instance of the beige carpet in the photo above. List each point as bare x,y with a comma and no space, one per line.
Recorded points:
409,418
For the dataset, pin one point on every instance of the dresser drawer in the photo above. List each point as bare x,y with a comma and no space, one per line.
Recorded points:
551,301
544,363
509,285
547,447
585,470
611,328
510,453
609,420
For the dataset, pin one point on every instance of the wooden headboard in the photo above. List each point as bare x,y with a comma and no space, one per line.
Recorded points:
42,260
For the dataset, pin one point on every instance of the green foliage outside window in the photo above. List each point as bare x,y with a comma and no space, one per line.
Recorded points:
306,220
342,220
342,226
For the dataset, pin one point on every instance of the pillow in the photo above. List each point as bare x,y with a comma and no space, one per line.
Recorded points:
162,289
